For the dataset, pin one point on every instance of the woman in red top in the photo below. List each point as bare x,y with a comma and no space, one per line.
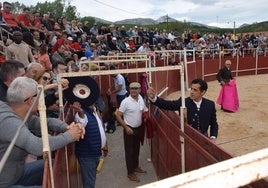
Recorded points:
44,57
132,45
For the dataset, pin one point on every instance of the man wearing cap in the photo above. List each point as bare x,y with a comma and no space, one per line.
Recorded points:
113,45
94,30
86,28
135,34
129,116
123,32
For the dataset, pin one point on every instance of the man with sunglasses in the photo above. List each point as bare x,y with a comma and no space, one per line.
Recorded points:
21,96
129,116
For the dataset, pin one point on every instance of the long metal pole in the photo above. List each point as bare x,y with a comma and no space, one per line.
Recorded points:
182,115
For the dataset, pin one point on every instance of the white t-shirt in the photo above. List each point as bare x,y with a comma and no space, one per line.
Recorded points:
120,80
132,111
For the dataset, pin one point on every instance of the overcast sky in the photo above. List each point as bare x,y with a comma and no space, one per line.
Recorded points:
221,13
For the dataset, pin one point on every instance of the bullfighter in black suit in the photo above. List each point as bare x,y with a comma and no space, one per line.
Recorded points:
201,112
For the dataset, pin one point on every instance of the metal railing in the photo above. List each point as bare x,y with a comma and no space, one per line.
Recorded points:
9,35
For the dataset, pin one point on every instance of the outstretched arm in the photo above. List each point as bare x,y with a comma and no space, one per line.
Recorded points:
162,103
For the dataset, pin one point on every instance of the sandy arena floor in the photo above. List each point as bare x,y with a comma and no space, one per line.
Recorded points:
244,131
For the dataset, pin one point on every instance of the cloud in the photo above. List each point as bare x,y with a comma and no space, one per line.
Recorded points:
210,12
204,2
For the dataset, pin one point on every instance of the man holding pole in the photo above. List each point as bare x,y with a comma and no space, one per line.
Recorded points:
21,98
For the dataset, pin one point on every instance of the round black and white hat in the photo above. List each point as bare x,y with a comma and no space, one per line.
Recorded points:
84,90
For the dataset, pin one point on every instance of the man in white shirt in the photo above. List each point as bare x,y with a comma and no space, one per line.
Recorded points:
129,116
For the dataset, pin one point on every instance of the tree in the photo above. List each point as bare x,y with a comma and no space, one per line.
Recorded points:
17,7
55,8
89,19
70,12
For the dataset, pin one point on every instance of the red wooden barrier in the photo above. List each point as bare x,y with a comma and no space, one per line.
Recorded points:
199,151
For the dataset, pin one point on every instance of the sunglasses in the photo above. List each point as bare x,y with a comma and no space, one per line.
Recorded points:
45,78
30,97
135,88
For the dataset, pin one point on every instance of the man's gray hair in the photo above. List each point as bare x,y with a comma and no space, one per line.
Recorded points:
20,89
29,67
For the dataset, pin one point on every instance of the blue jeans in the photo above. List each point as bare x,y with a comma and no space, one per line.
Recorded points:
88,166
32,175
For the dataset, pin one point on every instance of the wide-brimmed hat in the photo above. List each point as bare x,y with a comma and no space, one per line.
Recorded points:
83,89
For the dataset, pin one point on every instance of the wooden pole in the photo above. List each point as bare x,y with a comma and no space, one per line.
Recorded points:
117,71
44,132
63,118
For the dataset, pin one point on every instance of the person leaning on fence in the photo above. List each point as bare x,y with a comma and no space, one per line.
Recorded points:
115,96
119,87
201,112
21,95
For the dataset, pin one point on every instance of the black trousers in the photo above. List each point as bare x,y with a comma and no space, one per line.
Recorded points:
132,149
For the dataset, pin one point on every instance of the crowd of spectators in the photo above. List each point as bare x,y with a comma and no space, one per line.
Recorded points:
61,45
61,39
